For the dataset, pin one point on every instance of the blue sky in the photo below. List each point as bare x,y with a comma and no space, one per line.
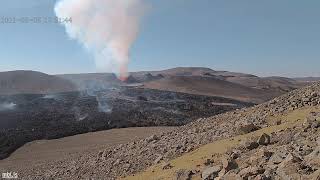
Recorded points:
270,37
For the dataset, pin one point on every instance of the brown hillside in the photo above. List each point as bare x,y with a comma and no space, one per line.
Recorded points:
31,82
210,86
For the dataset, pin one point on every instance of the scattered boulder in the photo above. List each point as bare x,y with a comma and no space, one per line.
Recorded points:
250,171
235,154
261,177
288,172
167,166
208,162
159,158
251,145
315,175
278,122
285,138
315,124
183,174
306,99
277,157
264,139
152,138
142,98
313,159
229,175
210,172
248,128
117,162
266,154
289,159
229,164
313,95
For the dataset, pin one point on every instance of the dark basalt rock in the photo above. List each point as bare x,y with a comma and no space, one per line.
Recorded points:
35,117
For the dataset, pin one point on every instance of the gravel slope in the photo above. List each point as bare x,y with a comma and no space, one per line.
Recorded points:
42,154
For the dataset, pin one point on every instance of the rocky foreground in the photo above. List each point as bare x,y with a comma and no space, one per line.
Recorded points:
275,140
293,153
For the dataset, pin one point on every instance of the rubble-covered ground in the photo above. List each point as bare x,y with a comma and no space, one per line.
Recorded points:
282,144
274,140
289,150
24,118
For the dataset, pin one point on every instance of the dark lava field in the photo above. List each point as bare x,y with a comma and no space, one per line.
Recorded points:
28,117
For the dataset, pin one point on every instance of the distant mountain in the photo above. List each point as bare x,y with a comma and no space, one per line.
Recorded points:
280,84
212,87
308,79
178,71
241,86
196,80
32,82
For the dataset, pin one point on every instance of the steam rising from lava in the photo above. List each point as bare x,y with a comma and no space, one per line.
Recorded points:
7,106
107,28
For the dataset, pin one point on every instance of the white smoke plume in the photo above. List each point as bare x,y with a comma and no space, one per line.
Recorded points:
108,28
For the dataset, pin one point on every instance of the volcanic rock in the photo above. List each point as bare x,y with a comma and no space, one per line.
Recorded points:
250,171
247,128
229,164
210,173
167,166
183,174
264,139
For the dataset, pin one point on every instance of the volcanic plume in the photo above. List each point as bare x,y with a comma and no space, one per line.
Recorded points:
107,28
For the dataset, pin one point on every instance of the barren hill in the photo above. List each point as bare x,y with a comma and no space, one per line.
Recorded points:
276,84
308,79
244,79
179,71
193,71
210,86
195,80
32,82
210,82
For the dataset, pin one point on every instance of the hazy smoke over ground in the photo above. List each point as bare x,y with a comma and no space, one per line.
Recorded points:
7,106
107,28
